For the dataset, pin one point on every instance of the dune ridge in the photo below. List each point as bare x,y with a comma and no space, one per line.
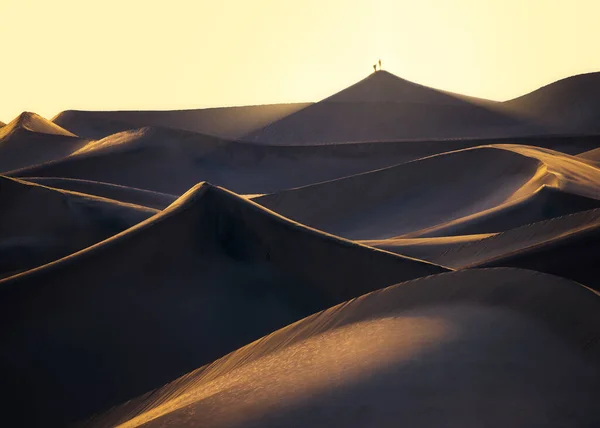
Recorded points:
400,200
224,122
559,305
69,222
241,271
30,140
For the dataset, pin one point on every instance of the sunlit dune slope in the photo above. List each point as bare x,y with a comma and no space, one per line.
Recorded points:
131,195
207,275
39,224
171,161
30,139
492,347
225,122
568,105
435,192
570,244
384,107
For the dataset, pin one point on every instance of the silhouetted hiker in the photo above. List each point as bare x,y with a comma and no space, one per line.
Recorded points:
380,64
374,68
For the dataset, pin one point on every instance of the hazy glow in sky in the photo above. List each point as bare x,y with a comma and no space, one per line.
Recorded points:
141,54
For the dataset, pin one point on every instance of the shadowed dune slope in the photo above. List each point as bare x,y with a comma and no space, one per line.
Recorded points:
207,275
543,204
444,190
593,155
171,161
483,347
384,107
568,105
39,224
404,198
469,250
130,195
571,254
225,122
30,139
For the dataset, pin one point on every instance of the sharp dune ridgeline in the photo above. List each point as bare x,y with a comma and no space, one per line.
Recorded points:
393,254
216,266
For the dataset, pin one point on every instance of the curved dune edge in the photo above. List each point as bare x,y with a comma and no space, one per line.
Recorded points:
184,202
68,222
568,309
212,260
146,198
388,196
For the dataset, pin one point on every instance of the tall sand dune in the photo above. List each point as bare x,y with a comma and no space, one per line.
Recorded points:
130,195
423,197
490,347
568,105
224,122
30,139
384,107
207,275
39,224
171,161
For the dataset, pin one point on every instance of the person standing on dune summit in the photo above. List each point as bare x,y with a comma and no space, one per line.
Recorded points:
374,68
379,65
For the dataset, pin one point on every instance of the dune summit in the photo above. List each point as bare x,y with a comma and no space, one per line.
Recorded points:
391,255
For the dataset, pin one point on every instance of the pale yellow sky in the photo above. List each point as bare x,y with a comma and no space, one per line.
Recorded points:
147,54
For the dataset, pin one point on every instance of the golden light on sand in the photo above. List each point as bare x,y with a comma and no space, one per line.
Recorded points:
68,54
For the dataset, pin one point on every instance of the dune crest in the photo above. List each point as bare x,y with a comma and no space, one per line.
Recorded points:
423,324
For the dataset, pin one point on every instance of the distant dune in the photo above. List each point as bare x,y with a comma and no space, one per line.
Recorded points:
171,161
569,105
224,122
516,247
384,107
125,194
213,266
427,196
39,224
30,139
384,257
424,352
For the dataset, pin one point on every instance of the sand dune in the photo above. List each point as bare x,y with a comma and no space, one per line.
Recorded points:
130,195
543,204
30,139
570,254
213,266
171,161
224,122
464,251
39,224
384,107
569,105
469,191
492,347
593,155
2,124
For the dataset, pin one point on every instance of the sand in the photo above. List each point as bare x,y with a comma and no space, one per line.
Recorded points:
226,122
126,194
384,107
474,348
567,106
418,199
30,139
391,255
213,265
39,224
